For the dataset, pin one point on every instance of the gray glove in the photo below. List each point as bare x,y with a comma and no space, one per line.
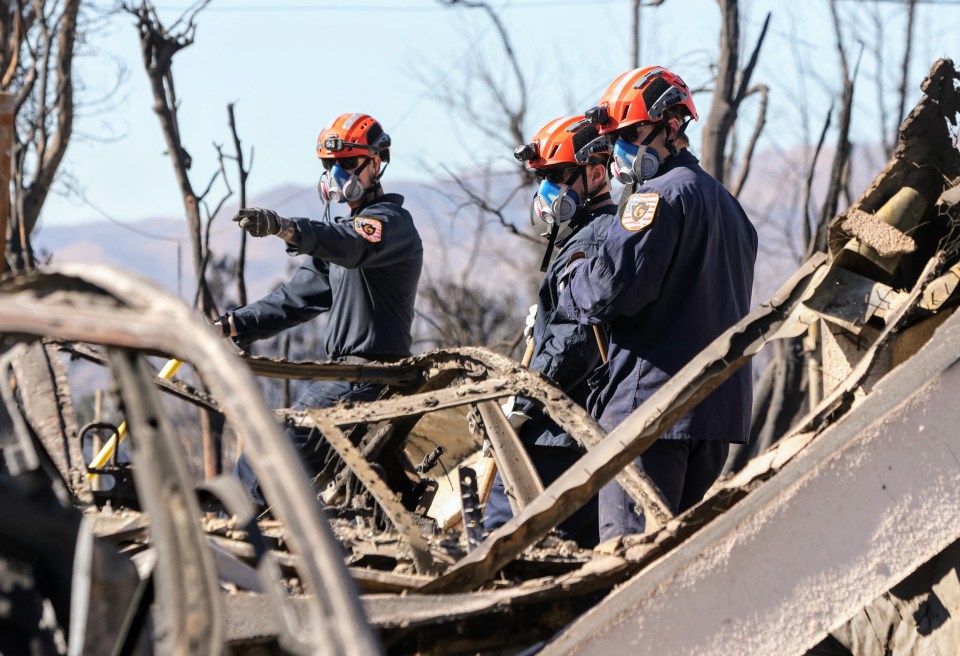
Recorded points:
258,222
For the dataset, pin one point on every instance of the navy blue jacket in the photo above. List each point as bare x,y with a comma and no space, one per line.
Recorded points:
564,349
672,275
363,272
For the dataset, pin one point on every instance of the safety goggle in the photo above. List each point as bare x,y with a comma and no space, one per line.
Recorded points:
556,176
346,163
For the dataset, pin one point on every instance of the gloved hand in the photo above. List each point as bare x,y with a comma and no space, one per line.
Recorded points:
530,321
515,416
224,325
258,222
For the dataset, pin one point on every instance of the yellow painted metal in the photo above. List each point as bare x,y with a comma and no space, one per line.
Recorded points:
167,372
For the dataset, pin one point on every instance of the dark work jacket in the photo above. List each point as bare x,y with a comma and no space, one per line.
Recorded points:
666,290
564,349
363,271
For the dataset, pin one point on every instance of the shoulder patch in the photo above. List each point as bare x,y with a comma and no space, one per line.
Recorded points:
369,229
639,211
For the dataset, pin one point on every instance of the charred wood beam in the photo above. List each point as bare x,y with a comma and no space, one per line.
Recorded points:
628,440
394,510
387,374
520,478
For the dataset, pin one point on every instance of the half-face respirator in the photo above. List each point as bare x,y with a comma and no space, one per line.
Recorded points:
635,163
555,203
338,185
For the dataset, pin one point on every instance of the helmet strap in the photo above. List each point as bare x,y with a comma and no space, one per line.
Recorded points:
551,240
580,219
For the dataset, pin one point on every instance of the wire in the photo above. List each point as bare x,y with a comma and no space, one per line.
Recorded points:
394,8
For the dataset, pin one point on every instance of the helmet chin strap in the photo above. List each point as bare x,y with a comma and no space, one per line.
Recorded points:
372,191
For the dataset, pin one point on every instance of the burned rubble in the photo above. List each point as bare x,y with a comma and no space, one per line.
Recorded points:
394,559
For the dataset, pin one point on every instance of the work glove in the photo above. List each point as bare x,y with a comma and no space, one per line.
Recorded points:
530,321
258,222
222,325
515,416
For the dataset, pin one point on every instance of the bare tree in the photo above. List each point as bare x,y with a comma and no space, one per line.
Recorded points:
242,174
781,395
158,45
732,87
38,42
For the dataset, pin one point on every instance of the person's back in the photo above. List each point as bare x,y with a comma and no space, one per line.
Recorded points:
700,257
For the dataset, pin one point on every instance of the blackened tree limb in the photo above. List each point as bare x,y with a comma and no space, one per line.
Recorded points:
158,45
728,92
243,173
905,67
744,168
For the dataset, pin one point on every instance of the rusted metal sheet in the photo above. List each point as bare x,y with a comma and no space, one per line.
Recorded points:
864,504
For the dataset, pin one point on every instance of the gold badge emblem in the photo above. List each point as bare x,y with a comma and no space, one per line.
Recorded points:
639,211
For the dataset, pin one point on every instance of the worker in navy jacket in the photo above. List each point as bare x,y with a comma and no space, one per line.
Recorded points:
674,272
568,159
363,273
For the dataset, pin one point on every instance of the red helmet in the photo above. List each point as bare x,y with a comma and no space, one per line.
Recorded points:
350,135
566,141
640,96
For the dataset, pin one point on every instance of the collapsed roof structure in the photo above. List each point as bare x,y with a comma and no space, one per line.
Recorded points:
842,538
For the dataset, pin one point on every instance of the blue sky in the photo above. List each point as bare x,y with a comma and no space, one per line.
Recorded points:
291,65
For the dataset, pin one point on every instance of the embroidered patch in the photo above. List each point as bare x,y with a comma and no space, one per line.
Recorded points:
639,211
369,229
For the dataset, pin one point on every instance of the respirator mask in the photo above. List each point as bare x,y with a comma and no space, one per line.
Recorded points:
555,203
340,184
635,163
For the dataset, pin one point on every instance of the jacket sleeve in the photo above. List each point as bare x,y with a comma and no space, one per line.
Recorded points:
569,349
368,240
626,274
300,299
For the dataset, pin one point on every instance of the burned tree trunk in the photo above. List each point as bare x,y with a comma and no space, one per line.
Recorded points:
158,46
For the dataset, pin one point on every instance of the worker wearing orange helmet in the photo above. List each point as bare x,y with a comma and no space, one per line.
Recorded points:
363,271
674,272
568,158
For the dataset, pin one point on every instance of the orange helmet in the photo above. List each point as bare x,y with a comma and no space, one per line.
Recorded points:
350,135
566,141
640,96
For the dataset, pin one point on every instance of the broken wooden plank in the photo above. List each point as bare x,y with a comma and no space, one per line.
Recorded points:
521,481
392,508
387,374
625,442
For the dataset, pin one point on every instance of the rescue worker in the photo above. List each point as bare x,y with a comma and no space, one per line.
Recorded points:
568,158
675,271
362,272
